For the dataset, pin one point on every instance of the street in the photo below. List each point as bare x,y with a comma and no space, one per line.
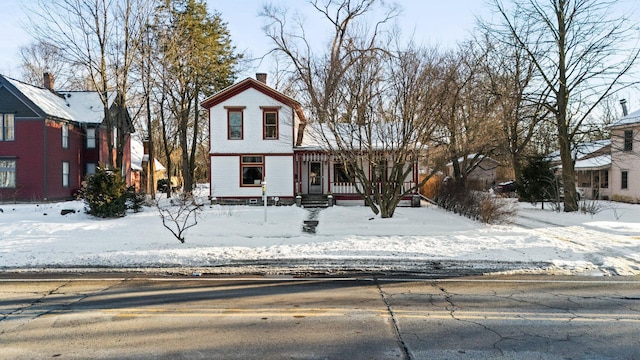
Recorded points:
122,316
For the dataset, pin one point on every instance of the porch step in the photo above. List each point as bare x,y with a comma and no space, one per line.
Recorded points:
314,201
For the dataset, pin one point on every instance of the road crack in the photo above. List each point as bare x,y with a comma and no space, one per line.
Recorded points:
394,321
452,308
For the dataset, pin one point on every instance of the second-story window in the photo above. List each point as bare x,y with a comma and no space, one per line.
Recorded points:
234,123
91,138
65,136
628,140
7,127
270,124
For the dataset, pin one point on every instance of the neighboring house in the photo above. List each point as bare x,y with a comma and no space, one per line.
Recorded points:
257,134
625,158
481,171
592,164
50,140
140,166
610,169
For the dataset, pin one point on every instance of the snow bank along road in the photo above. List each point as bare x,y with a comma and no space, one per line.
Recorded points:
237,240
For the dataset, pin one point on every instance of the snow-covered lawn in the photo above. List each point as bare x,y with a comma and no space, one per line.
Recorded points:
37,236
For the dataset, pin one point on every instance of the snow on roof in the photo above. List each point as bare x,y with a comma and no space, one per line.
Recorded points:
87,105
52,104
594,163
138,155
632,118
582,149
352,136
79,106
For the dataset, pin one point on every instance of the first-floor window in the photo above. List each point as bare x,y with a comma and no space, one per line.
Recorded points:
65,173
91,168
7,173
341,174
252,168
624,179
604,180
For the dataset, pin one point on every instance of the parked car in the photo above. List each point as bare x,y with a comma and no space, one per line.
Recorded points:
507,188
579,193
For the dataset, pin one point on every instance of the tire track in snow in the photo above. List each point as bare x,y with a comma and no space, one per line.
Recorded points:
598,246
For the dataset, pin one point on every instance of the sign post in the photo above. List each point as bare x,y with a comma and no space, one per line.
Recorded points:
264,197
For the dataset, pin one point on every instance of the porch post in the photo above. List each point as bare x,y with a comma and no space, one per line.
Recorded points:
328,173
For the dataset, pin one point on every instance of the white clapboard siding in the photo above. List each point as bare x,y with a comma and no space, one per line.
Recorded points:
252,141
225,177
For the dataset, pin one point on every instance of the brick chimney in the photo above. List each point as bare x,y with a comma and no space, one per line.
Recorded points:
48,81
262,77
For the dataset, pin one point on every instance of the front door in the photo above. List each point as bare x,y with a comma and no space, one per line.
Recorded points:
315,178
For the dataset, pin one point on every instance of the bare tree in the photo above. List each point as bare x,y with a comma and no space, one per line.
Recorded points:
519,106
95,38
467,126
42,57
575,46
180,213
369,101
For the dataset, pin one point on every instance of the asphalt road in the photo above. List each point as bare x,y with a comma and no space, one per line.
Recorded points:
139,317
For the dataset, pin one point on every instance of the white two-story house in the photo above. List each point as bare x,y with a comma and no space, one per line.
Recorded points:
625,158
252,136
259,135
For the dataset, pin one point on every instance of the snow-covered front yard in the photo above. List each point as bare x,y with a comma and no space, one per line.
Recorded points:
37,236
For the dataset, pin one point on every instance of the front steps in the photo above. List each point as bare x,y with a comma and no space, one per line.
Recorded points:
315,201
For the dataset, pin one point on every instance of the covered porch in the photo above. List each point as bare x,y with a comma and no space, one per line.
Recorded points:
592,177
318,173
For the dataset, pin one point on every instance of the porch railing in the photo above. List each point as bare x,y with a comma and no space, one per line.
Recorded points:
351,188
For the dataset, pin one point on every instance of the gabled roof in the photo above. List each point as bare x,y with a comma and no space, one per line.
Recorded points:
79,106
630,119
48,102
250,83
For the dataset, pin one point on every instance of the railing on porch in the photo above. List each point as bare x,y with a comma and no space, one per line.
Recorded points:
352,188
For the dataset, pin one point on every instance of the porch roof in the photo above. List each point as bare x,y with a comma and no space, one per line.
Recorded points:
601,162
